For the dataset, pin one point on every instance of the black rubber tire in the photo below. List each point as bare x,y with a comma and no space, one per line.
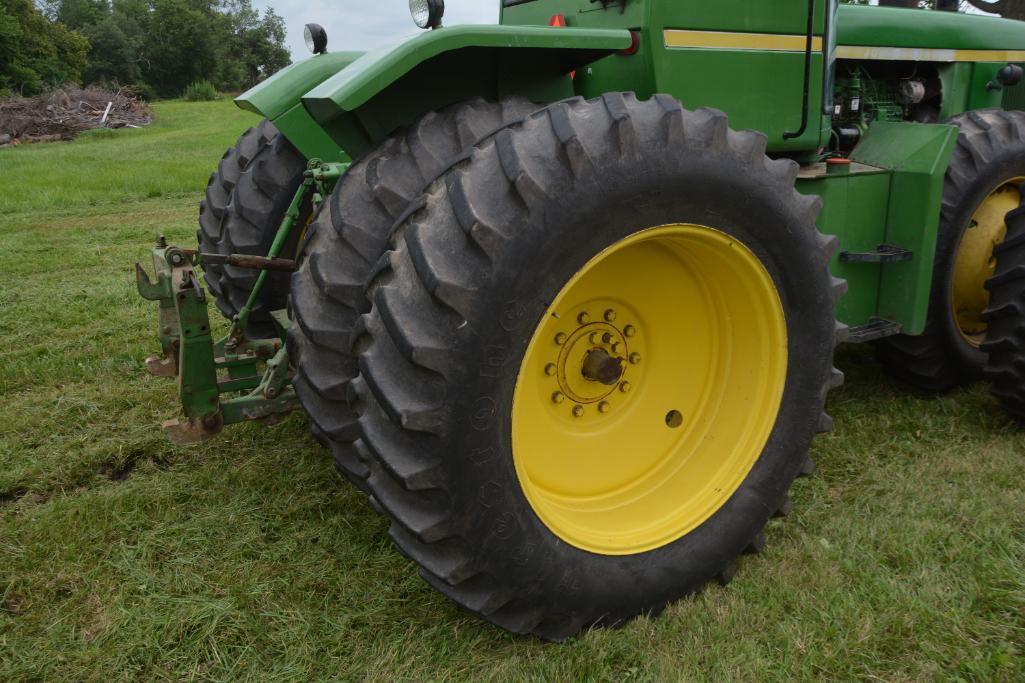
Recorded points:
454,307
990,149
246,199
1005,338
347,240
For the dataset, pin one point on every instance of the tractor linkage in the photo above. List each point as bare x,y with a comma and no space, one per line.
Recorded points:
234,379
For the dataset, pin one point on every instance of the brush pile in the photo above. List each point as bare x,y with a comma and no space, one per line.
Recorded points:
64,113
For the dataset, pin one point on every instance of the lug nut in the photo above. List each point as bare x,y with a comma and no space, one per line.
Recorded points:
617,347
551,369
625,387
583,318
560,338
578,411
596,338
604,407
606,338
558,397
610,316
635,358
629,330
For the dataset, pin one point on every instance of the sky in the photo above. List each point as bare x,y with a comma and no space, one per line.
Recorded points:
365,24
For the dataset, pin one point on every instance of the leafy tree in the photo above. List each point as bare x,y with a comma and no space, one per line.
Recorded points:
37,53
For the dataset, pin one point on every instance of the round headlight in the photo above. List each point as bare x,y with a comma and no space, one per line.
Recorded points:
316,38
427,13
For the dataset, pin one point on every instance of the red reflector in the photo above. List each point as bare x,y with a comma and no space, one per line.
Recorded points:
558,21
635,44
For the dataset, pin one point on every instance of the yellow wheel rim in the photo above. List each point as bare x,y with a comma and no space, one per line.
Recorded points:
975,263
649,390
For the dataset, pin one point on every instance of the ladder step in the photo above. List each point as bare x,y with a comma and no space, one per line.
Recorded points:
885,253
877,329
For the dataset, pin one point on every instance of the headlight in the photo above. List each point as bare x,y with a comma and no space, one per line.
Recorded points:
316,39
427,13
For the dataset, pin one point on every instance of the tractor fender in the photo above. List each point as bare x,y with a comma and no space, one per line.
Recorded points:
279,99
392,86
274,96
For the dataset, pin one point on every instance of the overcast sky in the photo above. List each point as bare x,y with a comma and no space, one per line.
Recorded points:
363,24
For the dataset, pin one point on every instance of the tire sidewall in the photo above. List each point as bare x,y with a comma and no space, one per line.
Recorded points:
579,220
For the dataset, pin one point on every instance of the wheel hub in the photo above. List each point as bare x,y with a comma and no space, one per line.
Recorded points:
591,360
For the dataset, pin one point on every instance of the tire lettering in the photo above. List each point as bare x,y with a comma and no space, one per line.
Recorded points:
482,413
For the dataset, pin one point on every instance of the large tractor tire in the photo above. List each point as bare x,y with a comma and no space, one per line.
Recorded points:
347,240
981,186
246,200
597,355
1005,318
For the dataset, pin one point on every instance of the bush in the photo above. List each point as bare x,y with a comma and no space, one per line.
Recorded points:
200,91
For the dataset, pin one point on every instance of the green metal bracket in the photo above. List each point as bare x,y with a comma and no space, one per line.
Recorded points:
234,379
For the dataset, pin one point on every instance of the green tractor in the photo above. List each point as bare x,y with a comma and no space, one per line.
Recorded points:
561,295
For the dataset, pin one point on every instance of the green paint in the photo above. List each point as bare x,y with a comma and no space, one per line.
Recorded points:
333,107
852,211
918,156
892,27
279,93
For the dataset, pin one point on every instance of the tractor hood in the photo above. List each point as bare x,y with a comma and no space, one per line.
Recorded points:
937,32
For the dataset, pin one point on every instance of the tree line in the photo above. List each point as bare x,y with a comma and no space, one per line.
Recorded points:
159,46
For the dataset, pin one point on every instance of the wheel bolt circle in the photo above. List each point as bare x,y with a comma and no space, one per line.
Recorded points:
625,387
560,338
558,397
604,407
584,318
610,316
551,369
635,358
578,411
629,330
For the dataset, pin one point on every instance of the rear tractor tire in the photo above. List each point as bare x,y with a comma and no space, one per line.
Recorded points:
1005,317
347,240
246,200
981,186
597,355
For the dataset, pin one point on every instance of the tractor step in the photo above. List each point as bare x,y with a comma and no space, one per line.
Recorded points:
884,253
877,329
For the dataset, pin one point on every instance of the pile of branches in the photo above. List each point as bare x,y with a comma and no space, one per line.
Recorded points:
64,113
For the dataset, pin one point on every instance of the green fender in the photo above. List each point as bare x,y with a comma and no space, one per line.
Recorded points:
392,86
279,98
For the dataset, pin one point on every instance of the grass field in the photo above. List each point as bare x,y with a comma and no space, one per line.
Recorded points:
122,557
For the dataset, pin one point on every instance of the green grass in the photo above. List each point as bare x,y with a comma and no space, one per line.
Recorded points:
122,557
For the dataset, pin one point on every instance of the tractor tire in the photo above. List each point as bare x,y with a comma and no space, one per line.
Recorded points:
345,242
555,318
246,200
1005,317
980,188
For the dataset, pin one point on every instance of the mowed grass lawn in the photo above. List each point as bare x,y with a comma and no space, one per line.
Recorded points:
123,557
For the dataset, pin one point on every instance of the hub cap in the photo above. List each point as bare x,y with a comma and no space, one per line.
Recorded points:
975,263
649,390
